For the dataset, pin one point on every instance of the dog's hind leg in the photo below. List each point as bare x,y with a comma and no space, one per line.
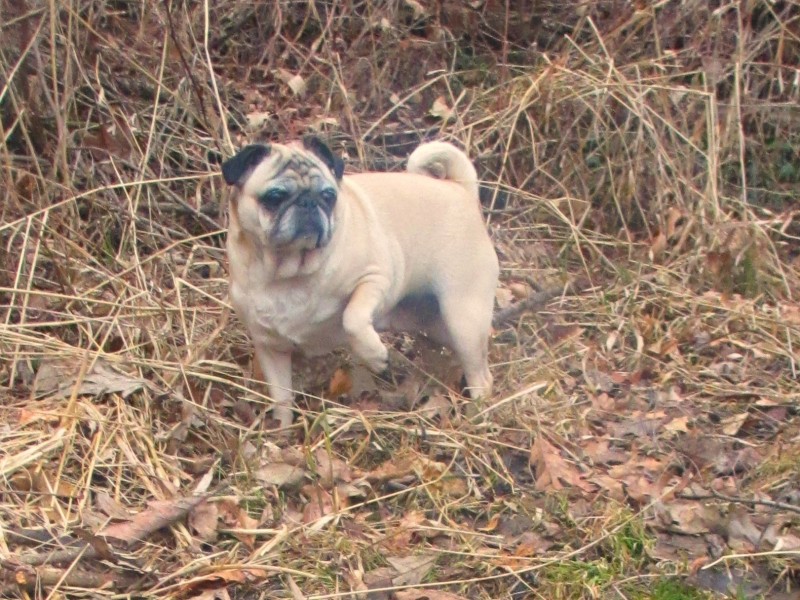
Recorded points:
468,322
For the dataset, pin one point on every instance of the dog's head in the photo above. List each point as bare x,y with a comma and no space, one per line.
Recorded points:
286,194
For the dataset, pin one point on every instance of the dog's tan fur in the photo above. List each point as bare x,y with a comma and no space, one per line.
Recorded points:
394,236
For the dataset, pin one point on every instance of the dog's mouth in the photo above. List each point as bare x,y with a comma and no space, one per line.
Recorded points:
302,228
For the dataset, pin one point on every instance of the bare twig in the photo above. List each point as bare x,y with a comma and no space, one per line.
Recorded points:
537,301
714,495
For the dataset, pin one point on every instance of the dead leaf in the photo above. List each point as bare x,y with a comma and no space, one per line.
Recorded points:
246,522
419,10
400,466
331,469
611,340
598,380
398,538
297,593
319,123
531,543
298,85
28,416
341,384
679,425
295,82
203,519
238,520
743,535
159,514
733,424
734,462
281,475
602,453
640,425
552,471
411,569
437,406
440,109
678,548
256,120
35,478
226,575
787,542
674,214
111,507
58,378
218,594
348,490
320,503
686,517
49,376
658,246
377,579
426,594
504,297
520,291
603,402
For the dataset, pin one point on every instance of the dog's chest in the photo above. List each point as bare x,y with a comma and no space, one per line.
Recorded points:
297,314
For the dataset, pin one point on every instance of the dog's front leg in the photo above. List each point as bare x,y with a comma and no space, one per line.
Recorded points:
358,325
276,366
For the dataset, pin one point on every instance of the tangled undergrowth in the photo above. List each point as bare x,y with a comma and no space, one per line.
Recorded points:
641,170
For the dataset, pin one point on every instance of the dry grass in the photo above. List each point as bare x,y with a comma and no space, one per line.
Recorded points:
643,439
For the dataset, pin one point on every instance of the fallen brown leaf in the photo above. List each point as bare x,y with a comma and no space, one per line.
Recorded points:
687,517
743,534
203,519
320,503
552,471
281,475
331,469
411,569
111,507
58,378
426,594
341,383
159,514
733,424
235,517
440,109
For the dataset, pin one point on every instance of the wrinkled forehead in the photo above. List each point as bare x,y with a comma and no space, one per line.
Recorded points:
289,167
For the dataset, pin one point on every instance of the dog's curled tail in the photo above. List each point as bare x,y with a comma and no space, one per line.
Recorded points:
442,160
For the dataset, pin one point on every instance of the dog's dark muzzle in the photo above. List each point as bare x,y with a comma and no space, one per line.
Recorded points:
311,220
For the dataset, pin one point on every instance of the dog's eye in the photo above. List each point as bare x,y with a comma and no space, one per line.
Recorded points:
328,196
273,198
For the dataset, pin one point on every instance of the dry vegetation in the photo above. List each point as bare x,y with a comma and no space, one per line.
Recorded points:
643,441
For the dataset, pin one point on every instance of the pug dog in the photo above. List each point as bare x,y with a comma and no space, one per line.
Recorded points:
319,259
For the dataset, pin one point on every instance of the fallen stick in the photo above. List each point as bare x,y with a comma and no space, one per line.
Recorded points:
537,301
28,571
125,533
30,577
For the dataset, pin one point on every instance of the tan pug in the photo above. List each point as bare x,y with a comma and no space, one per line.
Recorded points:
319,259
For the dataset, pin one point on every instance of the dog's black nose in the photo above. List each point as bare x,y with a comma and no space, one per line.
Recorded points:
307,200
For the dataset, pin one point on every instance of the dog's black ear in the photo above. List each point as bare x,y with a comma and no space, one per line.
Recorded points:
320,148
237,167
